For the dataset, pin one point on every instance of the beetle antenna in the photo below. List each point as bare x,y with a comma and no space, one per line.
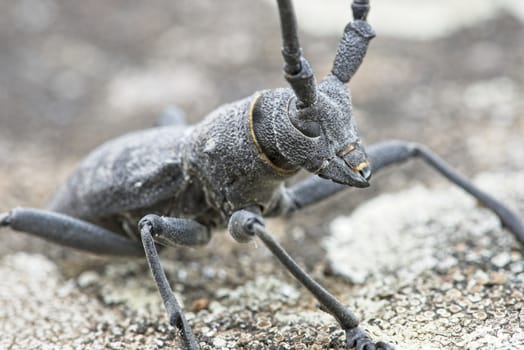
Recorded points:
297,69
354,42
360,9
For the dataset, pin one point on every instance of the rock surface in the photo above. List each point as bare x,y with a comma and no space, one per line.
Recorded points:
436,271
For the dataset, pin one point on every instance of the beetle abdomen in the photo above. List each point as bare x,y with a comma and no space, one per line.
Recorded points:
136,170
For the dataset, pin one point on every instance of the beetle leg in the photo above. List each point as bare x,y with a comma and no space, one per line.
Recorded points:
245,224
69,231
170,231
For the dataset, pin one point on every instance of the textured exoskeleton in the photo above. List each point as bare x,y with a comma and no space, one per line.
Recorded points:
171,185
238,157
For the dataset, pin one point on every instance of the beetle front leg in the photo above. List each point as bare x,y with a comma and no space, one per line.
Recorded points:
244,225
171,231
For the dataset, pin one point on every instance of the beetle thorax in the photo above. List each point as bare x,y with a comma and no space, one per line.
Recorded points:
316,138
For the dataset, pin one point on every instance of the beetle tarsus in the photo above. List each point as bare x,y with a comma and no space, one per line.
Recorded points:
357,338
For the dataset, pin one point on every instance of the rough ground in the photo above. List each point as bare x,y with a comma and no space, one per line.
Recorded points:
439,267
75,74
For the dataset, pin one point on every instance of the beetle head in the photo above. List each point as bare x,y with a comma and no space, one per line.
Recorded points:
328,127
322,114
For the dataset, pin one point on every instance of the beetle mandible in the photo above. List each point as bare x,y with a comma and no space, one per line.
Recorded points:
172,185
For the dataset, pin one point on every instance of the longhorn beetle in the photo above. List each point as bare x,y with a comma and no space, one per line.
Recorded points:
172,185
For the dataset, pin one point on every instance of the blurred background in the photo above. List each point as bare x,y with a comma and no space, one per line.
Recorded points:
448,74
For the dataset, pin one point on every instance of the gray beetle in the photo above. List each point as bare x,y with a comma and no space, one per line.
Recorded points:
172,185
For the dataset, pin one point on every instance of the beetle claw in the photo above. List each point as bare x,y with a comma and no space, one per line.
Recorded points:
357,338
